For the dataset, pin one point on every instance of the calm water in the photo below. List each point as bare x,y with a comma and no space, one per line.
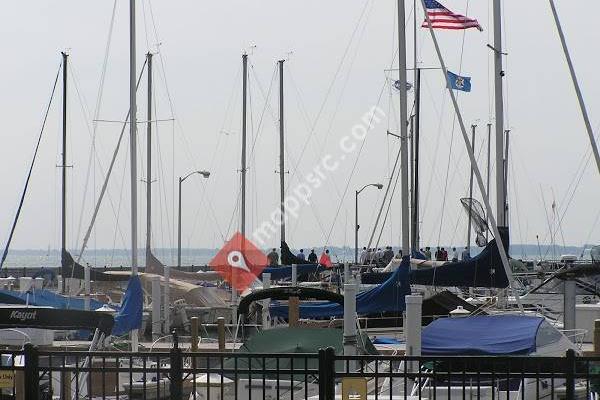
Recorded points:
118,257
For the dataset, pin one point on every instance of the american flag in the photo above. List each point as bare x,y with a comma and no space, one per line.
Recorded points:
442,18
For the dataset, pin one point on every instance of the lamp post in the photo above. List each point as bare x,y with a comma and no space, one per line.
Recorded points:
378,186
205,174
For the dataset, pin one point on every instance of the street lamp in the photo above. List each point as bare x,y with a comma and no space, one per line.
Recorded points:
378,186
205,174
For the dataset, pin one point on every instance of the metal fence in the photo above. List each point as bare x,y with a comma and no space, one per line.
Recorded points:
49,374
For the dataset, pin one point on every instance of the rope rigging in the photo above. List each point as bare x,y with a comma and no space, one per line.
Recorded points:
37,146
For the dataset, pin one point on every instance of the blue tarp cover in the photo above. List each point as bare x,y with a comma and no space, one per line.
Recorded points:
283,272
46,298
130,315
481,335
387,297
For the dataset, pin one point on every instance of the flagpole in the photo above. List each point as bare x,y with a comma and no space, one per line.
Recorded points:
480,184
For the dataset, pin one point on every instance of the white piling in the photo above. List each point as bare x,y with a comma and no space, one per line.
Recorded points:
266,320
569,304
294,275
347,273
156,322
87,287
350,319
412,328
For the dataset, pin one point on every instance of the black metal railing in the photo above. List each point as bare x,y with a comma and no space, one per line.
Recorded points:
177,374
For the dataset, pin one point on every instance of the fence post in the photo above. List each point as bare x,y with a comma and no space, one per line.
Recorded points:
570,375
176,384
330,366
32,375
326,374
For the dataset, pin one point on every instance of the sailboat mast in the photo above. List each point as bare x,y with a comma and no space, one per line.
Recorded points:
63,242
243,170
281,152
416,139
149,159
473,127
499,111
133,151
487,182
405,212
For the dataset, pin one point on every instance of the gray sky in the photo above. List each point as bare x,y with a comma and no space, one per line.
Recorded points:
201,49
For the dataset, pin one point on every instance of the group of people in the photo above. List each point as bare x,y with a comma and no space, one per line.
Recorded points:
441,254
378,256
325,259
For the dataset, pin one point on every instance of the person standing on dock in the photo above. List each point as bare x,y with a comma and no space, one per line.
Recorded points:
466,254
312,257
301,255
273,258
454,254
427,252
325,260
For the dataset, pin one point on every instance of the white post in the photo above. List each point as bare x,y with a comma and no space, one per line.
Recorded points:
569,305
347,274
412,328
86,287
167,302
266,283
294,275
350,321
156,325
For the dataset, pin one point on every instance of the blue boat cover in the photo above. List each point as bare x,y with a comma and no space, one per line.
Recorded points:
284,272
481,335
387,297
385,340
130,315
46,298
483,270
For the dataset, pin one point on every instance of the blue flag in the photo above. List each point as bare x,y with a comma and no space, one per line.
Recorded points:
458,82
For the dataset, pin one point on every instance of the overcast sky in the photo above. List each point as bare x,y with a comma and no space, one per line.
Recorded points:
336,53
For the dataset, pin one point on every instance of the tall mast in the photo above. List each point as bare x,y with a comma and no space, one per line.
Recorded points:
149,160
487,182
63,242
473,127
416,139
499,109
243,170
403,131
133,151
506,137
281,151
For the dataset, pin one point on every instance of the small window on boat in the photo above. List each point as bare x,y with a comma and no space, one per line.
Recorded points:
546,334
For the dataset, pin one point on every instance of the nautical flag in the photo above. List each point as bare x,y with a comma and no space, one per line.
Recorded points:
397,85
458,82
442,18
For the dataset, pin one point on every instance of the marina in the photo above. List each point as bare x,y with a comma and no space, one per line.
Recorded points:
170,266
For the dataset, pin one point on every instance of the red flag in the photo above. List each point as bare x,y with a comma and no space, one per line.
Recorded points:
239,262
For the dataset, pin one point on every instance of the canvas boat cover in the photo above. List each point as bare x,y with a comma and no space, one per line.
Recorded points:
46,298
387,297
481,335
483,270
